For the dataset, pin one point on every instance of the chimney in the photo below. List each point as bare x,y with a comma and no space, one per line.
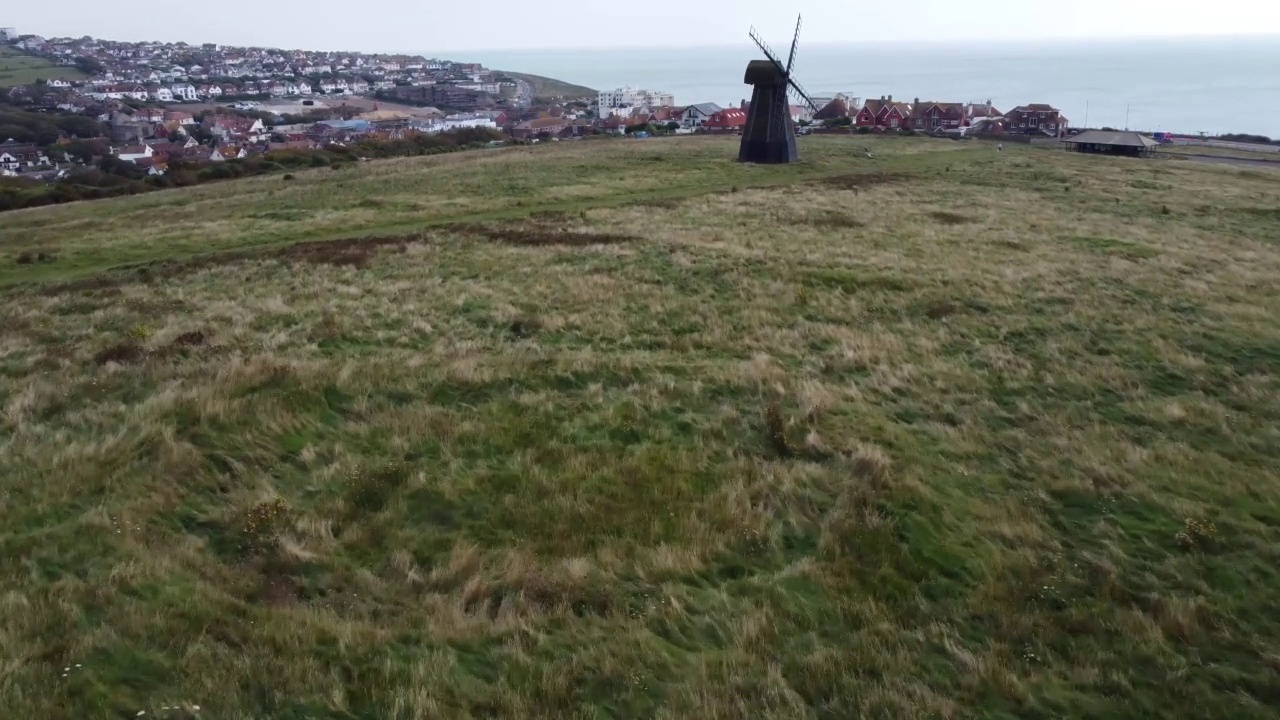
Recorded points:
890,98
916,101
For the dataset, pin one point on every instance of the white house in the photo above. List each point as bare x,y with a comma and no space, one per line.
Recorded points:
162,94
185,92
359,86
694,116
59,83
211,91
134,153
304,87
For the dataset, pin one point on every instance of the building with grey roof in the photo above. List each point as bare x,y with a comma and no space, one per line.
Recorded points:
1111,142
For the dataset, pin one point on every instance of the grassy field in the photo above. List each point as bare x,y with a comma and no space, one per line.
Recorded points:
627,429
17,68
1215,151
544,87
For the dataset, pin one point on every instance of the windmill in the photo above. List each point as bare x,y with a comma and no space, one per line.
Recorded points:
770,136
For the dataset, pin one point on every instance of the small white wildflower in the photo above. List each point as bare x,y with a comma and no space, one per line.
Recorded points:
77,664
196,708
66,669
141,713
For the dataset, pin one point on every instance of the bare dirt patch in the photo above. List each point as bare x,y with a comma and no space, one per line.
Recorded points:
856,181
121,353
947,217
542,234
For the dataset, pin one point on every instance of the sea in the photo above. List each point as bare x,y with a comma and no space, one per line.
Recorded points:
1185,85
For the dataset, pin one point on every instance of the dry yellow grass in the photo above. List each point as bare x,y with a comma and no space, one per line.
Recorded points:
946,435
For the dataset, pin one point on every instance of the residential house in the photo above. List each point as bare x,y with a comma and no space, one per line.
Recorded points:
466,120
276,89
132,153
694,116
15,156
548,126
1037,118
161,94
58,83
732,120
149,115
359,86
304,87
980,111
930,116
883,113
185,92
834,110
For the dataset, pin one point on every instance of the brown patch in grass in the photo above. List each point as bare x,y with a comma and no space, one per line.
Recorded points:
831,220
122,353
949,218
193,338
541,234
941,309
855,181
356,252
33,257
276,589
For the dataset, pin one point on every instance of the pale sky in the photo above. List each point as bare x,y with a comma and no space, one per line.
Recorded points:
444,27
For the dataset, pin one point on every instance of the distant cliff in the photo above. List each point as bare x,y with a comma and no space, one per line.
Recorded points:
549,87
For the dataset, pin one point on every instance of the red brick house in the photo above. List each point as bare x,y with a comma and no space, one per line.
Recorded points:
1037,118
929,116
533,128
883,113
725,121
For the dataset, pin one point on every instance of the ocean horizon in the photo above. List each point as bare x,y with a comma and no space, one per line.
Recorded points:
1191,85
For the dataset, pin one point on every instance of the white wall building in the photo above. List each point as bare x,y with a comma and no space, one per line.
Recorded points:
8,33
630,96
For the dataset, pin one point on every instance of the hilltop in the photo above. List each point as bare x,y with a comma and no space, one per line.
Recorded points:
628,429
545,88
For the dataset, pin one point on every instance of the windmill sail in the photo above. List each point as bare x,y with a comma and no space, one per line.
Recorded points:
795,42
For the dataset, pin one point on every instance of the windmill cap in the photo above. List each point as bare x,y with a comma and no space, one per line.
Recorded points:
764,72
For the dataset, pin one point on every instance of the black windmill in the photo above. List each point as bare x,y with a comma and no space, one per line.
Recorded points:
770,136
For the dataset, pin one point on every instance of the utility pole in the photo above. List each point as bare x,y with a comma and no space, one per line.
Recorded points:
1086,114
1126,116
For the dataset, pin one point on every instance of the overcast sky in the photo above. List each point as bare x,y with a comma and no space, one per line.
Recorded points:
443,27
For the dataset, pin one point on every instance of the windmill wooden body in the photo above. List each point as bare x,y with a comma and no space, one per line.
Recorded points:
770,133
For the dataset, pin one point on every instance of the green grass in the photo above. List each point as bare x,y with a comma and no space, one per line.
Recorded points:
547,88
1178,150
18,68
626,429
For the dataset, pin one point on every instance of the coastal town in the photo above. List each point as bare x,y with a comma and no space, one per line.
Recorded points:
141,109
156,102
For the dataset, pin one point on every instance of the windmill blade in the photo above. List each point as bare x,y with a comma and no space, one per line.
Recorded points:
768,51
801,94
795,42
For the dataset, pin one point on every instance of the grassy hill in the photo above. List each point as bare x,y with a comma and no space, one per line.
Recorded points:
544,87
627,429
18,68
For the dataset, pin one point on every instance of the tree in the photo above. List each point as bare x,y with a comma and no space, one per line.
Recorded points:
16,132
80,126
673,126
89,66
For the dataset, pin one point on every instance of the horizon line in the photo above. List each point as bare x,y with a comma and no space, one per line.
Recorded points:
1107,39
